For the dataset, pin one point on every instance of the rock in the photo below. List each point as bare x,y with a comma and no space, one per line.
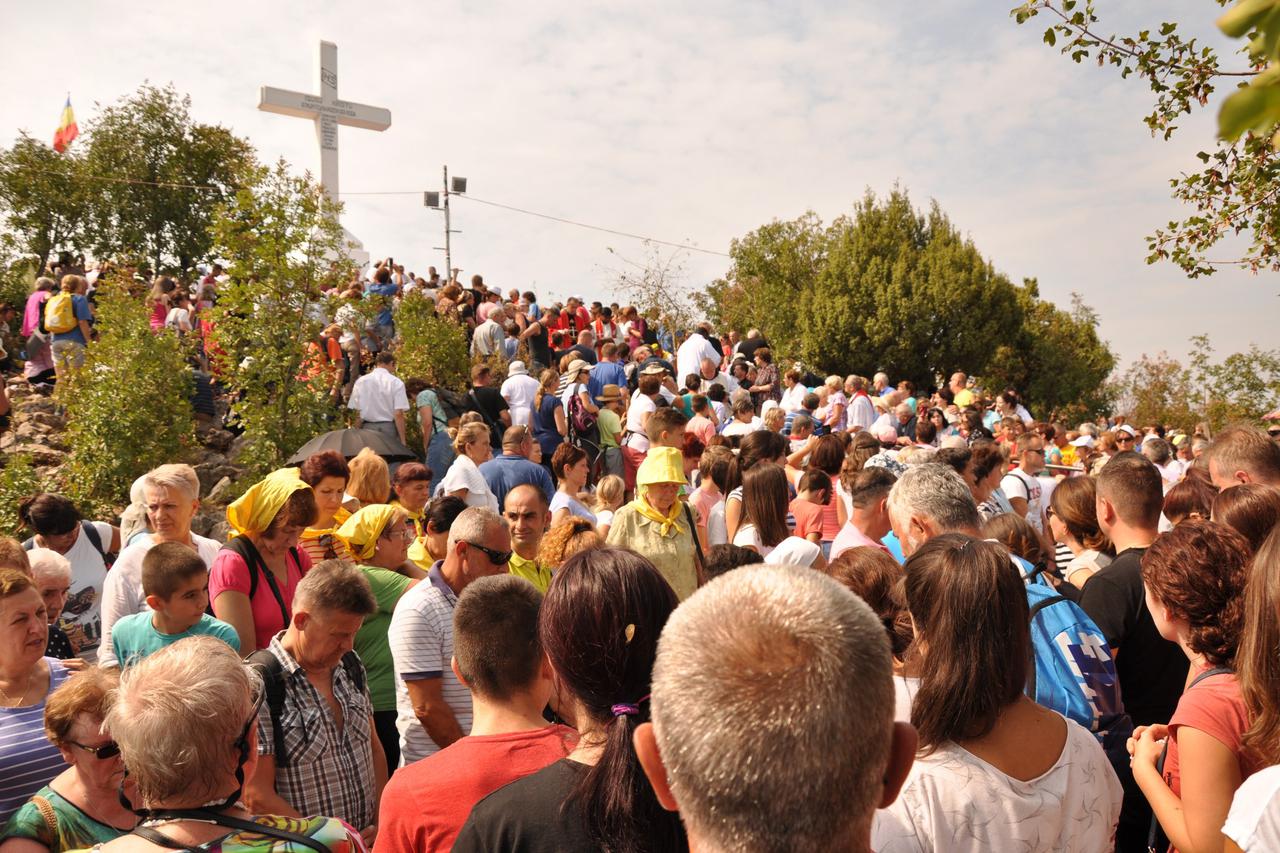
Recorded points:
210,475
220,492
44,419
216,439
27,431
39,453
39,404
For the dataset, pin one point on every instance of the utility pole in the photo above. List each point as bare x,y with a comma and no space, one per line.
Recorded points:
433,200
448,254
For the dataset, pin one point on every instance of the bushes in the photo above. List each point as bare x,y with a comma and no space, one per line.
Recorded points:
18,480
431,347
128,408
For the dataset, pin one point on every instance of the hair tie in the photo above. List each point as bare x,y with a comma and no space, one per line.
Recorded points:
625,710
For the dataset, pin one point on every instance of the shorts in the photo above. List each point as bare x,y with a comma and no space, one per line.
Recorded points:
68,355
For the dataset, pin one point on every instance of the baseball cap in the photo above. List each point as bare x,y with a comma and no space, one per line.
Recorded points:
1083,441
1127,429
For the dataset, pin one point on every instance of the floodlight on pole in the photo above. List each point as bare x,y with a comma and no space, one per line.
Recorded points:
432,200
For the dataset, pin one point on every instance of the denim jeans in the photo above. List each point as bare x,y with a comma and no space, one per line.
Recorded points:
440,456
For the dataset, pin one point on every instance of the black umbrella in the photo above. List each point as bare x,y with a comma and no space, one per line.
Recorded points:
349,442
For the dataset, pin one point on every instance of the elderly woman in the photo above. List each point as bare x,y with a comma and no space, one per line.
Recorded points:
327,474
658,525
59,526
413,490
464,479
170,494
81,806
252,581
52,574
378,537
186,722
571,468
27,678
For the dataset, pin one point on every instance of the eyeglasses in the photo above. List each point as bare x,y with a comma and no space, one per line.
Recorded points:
1124,439
498,558
110,749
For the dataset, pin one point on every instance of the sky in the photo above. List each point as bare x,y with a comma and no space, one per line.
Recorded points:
691,123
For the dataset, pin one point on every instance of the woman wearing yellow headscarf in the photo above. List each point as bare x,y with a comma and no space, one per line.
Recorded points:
378,537
657,524
252,580
327,474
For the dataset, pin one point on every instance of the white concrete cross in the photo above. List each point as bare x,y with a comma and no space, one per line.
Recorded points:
327,111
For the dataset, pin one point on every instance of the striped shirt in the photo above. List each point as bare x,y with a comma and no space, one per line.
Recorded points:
421,637
27,757
330,767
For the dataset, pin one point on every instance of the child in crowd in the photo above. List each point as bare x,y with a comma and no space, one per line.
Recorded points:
717,395
801,430
692,386
813,494
176,584
703,423
610,492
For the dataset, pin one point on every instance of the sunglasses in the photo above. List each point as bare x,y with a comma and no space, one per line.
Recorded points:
110,749
1122,439
498,558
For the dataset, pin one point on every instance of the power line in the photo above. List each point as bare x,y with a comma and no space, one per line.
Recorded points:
512,208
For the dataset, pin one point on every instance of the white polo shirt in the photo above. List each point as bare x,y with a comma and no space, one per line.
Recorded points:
378,395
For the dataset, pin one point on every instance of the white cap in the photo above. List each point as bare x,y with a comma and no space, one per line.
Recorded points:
1083,441
1126,428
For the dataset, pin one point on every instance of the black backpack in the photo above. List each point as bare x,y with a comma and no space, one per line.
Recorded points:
268,666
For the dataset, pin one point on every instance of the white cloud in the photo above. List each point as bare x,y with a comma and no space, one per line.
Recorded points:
683,121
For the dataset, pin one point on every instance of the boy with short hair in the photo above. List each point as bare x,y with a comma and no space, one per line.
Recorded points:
800,431
666,427
812,495
176,584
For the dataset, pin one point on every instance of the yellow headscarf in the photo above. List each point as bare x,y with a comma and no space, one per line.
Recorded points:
419,528
338,518
361,531
661,465
254,511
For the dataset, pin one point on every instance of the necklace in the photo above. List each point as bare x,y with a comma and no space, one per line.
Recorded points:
9,701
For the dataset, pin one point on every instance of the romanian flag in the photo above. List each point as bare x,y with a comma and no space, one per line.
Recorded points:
67,129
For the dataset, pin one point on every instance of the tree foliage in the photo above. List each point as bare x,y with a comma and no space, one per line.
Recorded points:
886,287
1243,386
431,347
43,197
129,407
1056,359
150,136
655,286
1235,191
279,236
18,480
1256,106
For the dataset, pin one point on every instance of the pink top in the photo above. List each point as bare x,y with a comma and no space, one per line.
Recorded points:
851,536
1216,707
31,316
230,572
808,516
702,427
704,501
158,315
830,519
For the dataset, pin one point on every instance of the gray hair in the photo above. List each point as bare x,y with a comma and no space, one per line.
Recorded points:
335,586
1157,450
767,744
48,563
936,492
916,455
181,478
176,717
473,523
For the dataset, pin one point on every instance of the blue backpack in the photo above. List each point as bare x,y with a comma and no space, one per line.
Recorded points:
1075,671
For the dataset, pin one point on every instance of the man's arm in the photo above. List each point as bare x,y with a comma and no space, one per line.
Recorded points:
427,698
260,789
400,424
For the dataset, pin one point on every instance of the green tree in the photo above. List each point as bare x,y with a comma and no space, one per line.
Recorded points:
1157,389
1235,191
1056,359
278,236
431,347
1244,386
151,137
129,407
18,480
42,197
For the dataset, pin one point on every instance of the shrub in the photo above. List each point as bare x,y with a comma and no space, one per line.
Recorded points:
18,480
128,408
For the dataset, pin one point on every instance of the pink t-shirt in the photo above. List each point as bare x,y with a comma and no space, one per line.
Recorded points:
158,315
704,500
230,572
851,536
702,427
1216,707
808,516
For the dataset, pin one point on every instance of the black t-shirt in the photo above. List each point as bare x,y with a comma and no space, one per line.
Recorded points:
489,403
540,346
585,353
526,816
1152,670
748,348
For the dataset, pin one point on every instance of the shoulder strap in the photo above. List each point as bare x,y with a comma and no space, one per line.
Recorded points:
268,666
355,669
1209,673
1035,610
47,813
697,546
231,823
94,539
159,839
242,546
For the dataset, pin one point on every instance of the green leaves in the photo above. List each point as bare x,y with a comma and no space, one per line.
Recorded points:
1237,21
1255,107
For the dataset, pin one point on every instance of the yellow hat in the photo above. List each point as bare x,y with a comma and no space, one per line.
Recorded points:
254,511
361,531
661,465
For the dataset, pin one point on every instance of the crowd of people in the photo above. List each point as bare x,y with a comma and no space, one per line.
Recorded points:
655,593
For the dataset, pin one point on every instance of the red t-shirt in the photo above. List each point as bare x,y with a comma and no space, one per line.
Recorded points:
426,803
1216,707
808,516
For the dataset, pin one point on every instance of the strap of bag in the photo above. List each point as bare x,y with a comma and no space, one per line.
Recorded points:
268,666
242,546
697,546
47,813
229,822
94,539
1031,617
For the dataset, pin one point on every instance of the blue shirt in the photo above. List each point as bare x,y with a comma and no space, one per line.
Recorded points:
79,304
388,290
135,636
503,473
606,373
